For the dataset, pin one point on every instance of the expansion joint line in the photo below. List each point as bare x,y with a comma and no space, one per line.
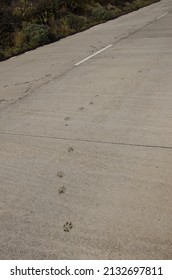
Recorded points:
87,140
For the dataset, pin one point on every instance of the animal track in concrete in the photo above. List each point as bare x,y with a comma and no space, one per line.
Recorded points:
67,118
91,103
66,124
6,86
93,48
70,149
62,190
60,174
96,95
27,89
81,108
24,83
2,100
67,226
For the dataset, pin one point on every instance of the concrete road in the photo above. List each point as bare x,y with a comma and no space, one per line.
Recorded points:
86,146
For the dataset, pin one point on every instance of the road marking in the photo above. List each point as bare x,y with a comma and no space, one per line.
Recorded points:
94,54
162,16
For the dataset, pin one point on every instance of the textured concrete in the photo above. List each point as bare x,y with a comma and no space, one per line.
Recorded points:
101,133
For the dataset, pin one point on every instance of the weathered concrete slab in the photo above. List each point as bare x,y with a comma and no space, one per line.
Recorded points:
90,145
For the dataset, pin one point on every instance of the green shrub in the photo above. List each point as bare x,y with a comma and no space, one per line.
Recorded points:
137,4
2,56
128,7
99,13
116,12
75,22
36,34
17,50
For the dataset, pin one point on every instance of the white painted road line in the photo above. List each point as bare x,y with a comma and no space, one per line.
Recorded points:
162,16
87,58
109,46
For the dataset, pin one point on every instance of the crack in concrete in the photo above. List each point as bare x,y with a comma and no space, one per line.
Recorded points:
29,92
87,140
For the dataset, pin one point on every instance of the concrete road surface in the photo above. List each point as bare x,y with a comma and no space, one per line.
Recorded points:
86,144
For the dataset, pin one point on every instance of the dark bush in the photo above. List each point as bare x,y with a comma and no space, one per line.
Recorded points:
75,22
99,14
2,56
36,34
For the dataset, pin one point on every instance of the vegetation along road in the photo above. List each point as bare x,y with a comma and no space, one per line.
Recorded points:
86,143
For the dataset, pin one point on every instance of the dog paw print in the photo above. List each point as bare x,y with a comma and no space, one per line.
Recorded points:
61,190
70,149
67,226
67,118
60,174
